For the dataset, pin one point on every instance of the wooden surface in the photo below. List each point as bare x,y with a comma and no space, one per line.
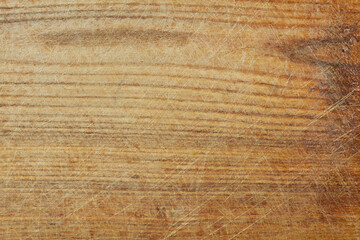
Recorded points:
179,119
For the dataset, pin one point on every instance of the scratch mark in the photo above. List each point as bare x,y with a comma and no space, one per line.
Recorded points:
332,107
187,221
259,219
252,224
231,221
247,176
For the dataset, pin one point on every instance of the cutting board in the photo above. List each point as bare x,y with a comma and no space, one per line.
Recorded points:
179,119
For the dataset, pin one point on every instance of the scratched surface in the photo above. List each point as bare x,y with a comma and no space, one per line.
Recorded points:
179,119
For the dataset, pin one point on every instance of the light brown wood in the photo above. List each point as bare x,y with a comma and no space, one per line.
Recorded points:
179,119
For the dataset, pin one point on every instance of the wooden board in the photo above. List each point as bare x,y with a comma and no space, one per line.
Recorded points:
179,119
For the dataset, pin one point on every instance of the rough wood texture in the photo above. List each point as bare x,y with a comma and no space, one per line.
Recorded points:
179,119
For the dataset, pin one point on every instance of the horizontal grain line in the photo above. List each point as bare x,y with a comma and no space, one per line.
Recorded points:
186,110
142,64
211,90
214,186
35,166
106,181
235,81
169,124
160,99
194,131
184,19
148,180
159,11
276,142
219,161
136,133
152,118
218,6
135,74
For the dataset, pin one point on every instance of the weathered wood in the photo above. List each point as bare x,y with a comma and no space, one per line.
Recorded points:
179,119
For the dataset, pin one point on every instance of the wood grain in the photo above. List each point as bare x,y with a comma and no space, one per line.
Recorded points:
179,119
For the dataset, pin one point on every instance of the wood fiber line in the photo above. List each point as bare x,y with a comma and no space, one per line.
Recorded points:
179,120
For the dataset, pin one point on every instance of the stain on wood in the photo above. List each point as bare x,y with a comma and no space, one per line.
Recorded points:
179,120
113,37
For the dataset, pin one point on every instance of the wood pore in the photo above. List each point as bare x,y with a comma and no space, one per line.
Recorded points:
180,119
